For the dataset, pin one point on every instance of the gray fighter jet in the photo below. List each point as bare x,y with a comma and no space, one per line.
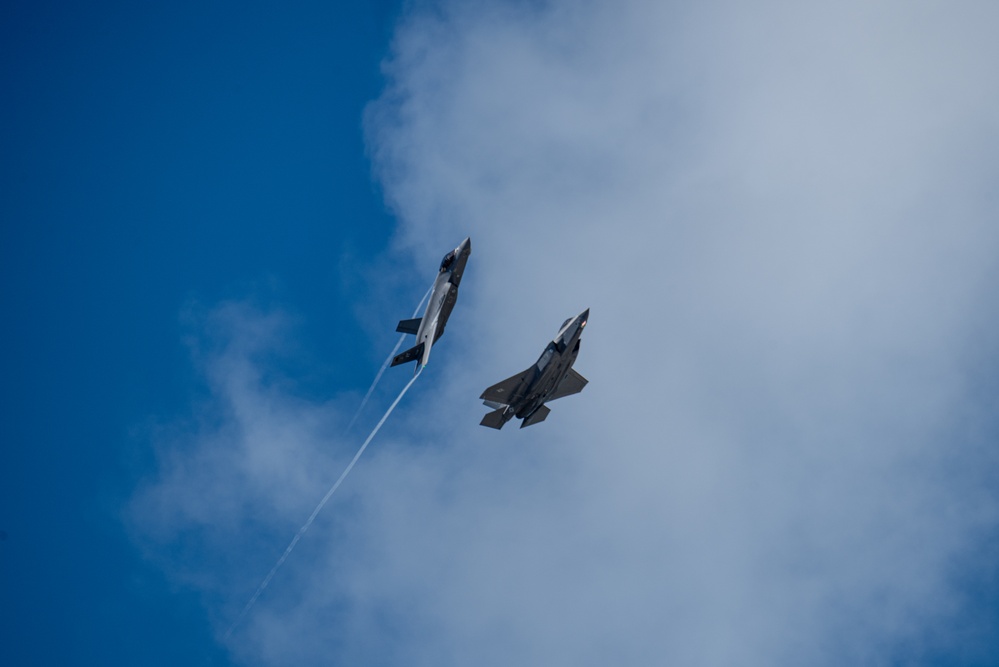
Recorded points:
430,327
524,395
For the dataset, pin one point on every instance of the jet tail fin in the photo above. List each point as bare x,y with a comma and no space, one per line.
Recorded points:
494,419
409,355
538,415
409,326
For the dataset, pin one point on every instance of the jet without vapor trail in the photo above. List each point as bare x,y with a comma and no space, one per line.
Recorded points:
430,327
524,395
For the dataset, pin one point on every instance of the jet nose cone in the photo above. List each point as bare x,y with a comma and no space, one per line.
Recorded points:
466,245
585,315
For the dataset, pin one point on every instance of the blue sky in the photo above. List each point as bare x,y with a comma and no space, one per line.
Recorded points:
156,157
781,218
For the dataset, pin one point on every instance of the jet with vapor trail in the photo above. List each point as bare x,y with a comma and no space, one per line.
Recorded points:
430,327
552,377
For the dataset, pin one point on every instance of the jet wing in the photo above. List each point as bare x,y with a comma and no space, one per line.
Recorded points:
572,383
409,326
510,389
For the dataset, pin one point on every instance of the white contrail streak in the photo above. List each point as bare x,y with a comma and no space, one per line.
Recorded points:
381,371
319,507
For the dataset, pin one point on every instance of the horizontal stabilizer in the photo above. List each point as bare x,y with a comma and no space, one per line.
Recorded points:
506,391
411,354
409,326
494,419
572,383
539,416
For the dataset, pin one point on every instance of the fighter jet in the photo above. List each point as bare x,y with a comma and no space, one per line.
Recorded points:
430,327
524,395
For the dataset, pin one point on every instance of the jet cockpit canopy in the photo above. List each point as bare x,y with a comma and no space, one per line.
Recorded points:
447,262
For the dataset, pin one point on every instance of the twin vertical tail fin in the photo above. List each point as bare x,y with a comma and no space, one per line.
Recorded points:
537,416
412,354
495,419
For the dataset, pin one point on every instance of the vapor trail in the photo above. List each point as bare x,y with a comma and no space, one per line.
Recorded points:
381,371
319,507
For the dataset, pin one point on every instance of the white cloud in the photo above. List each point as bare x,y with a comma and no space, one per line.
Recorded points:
781,217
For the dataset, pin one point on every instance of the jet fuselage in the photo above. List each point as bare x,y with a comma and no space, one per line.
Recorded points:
551,377
444,295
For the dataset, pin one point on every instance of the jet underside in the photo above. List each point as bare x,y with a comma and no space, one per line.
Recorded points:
550,378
